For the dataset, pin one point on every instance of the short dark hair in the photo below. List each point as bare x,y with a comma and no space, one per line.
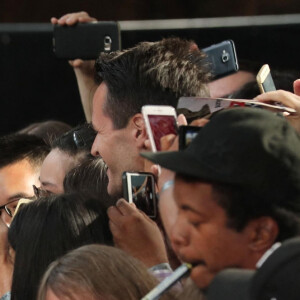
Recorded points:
77,140
151,73
48,228
89,178
242,205
47,130
17,147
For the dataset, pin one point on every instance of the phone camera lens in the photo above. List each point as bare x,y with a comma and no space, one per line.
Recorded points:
107,43
225,56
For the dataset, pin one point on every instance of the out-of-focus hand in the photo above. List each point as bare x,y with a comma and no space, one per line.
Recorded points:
6,267
288,99
136,234
73,18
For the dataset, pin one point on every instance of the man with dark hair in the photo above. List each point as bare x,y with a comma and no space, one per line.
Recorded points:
237,189
150,73
21,157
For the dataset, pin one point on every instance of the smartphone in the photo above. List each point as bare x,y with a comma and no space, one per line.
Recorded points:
264,79
139,188
160,120
186,135
222,59
85,40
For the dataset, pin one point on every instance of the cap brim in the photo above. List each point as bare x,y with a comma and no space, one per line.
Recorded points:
177,161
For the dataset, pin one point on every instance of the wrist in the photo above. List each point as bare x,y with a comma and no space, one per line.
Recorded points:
168,184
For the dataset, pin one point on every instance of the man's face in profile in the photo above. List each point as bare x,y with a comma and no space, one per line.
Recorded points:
116,146
16,181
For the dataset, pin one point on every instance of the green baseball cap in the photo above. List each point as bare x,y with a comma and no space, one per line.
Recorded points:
247,147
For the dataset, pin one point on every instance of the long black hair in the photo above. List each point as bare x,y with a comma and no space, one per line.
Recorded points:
48,228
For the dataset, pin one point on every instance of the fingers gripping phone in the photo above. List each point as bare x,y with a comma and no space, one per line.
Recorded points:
160,120
264,79
139,188
222,59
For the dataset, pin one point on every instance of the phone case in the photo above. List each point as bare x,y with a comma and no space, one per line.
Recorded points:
222,59
85,40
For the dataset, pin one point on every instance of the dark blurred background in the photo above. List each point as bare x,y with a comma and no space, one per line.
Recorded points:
35,86
42,11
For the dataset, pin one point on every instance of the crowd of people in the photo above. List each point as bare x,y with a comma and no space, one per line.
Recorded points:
227,201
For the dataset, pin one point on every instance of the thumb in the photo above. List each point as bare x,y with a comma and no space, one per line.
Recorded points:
297,87
181,120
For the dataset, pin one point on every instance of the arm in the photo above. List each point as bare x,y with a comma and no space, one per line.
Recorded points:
84,70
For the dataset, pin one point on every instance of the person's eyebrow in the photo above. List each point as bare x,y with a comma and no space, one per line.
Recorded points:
46,182
18,195
188,208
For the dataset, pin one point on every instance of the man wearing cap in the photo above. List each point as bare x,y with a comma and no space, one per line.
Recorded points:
237,189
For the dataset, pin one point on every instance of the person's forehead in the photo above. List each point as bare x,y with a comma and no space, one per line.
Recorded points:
198,196
55,165
17,178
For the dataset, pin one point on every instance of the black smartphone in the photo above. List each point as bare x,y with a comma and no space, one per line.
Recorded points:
139,188
186,135
85,40
264,79
222,59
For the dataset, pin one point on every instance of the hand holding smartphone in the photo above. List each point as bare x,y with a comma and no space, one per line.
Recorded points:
139,188
160,120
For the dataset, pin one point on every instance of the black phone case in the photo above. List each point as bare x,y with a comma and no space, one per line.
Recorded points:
222,59
182,135
85,40
125,187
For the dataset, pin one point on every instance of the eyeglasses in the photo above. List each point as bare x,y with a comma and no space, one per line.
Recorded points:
10,207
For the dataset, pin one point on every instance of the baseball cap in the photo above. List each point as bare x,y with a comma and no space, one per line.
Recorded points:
247,147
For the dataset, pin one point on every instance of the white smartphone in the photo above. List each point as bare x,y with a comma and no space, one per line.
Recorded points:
139,188
160,120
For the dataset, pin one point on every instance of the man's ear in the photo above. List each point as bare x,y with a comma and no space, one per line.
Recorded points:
263,233
139,129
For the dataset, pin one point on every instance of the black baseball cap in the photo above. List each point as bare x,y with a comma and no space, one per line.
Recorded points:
248,147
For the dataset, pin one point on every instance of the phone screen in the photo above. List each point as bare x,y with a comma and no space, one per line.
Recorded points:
162,125
186,135
142,189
